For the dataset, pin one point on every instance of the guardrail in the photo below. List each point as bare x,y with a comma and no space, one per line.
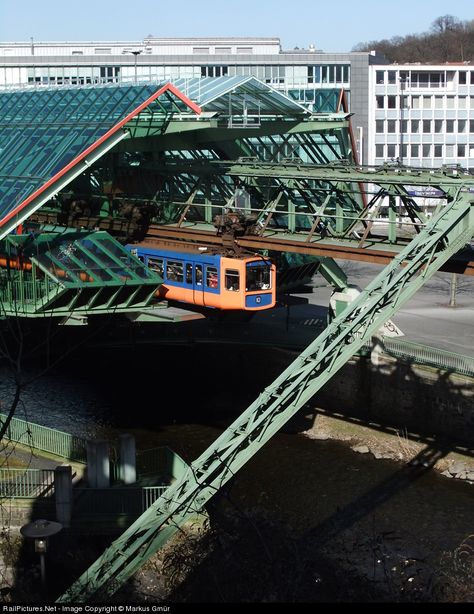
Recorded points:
26,483
111,503
426,355
46,439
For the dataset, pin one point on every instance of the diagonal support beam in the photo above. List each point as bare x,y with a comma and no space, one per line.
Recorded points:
444,236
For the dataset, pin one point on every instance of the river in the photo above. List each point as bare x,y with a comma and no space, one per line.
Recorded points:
344,526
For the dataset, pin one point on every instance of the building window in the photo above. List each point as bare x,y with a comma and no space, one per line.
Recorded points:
427,102
428,79
415,151
102,50
379,77
391,153
439,102
380,126
438,151
462,124
244,49
426,151
404,126
462,102
450,102
450,151
450,125
462,78
438,125
380,102
391,125
391,102
77,53
314,74
379,151
471,126
201,50
415,102
223,49
461,151
214,71
415,126
426,126
392,77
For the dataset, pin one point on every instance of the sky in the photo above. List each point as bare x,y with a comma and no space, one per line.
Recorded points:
332,27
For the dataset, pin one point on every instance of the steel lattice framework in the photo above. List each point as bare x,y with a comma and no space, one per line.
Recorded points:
442,237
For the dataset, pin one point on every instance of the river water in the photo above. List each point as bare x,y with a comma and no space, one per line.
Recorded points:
354,528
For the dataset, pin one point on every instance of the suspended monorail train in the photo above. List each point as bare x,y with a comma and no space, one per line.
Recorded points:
238,282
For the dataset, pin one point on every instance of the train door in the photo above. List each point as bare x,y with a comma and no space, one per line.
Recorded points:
198,285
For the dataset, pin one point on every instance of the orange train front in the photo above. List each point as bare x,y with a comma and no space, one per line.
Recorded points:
245,283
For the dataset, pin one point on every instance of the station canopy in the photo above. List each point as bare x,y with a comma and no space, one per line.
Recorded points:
50,136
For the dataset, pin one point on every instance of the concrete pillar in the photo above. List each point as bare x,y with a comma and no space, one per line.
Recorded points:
128,470
377,351
63,494
103,464
91,453
98,464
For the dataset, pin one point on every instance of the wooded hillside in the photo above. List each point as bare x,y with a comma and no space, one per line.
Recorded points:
449,40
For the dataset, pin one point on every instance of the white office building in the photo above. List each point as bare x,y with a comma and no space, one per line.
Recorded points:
421,115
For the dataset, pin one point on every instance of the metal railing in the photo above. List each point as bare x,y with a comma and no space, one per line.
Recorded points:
111,503
426,355
46,439
26,483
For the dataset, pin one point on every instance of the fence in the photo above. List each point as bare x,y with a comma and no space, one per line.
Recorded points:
46,439
26,483
426,355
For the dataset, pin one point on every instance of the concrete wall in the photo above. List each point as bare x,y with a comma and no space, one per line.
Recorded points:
420,399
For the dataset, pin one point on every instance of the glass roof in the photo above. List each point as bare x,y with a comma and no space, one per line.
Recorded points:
212,94
42,131
79,259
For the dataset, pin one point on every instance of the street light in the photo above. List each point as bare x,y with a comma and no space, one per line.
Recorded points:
40,531
403,79
136,53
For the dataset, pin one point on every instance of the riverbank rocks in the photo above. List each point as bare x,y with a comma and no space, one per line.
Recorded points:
361,449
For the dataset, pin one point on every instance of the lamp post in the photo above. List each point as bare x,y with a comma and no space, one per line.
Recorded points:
403,81
40,531
136,53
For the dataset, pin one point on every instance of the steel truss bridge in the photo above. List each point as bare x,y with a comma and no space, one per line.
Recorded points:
435,242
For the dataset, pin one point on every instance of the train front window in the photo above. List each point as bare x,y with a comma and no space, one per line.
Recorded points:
258,277
232,280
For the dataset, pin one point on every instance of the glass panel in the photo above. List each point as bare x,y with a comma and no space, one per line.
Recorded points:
232,280
212,280
257,277
174,270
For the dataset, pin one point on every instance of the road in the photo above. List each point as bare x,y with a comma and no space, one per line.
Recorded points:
426,318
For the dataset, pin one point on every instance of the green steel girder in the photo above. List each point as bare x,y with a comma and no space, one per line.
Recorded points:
443,236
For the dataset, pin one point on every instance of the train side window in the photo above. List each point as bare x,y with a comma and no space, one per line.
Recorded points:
156,264
174,270
211,277
198,274
232,279
189,273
